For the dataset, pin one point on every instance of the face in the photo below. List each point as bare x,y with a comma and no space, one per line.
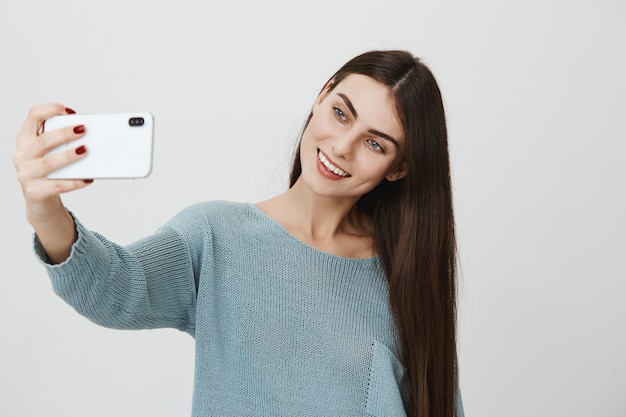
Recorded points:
353,141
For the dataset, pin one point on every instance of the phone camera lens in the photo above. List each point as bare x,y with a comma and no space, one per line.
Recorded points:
136,121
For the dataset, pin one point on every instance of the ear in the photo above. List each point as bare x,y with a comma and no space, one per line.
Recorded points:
397,173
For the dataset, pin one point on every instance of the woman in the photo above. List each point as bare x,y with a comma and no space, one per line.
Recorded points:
336,297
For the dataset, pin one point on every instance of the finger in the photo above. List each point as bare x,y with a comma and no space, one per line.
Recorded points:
66,186
44,188
48,141
37,116
52,162
57,137
29,169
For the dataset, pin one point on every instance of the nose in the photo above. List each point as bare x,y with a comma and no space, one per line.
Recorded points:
343,145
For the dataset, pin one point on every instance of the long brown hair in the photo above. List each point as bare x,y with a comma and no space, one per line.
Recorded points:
414,231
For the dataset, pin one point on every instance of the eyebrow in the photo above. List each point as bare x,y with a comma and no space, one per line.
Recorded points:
350,106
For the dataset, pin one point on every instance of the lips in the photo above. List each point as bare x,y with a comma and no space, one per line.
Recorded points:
330,166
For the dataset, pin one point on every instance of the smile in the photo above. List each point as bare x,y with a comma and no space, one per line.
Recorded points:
330,167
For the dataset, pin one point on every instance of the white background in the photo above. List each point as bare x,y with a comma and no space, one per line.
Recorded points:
535,98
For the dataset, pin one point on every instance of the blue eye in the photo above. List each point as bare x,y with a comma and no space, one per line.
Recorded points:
375,146
339,113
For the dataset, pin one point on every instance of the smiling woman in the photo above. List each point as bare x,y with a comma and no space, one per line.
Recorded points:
407,216
336,297
341,138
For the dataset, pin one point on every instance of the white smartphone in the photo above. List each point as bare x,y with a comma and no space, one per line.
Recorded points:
119,145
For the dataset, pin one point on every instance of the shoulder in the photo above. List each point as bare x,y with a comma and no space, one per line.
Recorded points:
214,210
215,215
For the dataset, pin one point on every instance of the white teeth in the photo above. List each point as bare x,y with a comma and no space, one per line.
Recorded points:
330,166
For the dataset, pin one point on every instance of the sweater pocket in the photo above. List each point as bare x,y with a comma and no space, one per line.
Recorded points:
385,389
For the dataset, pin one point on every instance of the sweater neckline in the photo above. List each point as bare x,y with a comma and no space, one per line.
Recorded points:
255,210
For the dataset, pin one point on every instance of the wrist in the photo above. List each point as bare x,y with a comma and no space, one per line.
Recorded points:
45,213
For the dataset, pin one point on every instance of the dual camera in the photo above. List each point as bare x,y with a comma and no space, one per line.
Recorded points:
136,121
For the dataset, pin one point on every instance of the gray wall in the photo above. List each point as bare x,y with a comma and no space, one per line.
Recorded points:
535,95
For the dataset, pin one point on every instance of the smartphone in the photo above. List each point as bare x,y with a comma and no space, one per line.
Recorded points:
119,145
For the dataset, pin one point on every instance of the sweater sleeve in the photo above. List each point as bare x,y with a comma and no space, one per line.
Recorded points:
148,284
460,411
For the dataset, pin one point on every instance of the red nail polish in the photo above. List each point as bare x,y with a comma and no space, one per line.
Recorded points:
79,129
81,150
87,181
69,111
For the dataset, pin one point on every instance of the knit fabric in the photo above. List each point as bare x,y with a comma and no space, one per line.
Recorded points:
281,328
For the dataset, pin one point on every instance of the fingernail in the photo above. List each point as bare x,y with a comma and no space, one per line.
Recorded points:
81,150
69,111
87,181
79,129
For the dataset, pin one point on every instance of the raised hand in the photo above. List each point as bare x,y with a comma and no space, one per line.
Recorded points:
44,208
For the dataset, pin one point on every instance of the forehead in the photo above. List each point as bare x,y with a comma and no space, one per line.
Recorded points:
373,103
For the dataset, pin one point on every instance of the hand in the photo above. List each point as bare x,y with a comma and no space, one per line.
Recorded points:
44,208
33,164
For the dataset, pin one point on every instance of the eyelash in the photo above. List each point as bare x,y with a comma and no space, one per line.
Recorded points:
375,146
340,114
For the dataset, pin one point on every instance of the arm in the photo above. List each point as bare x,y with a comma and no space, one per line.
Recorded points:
114,286
148,284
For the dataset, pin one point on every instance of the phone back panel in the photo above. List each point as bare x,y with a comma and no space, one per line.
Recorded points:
116,147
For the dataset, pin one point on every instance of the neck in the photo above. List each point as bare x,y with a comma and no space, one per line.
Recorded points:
322,217
330,224
317,216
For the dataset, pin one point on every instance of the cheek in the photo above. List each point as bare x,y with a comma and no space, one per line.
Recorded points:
319,126
379,169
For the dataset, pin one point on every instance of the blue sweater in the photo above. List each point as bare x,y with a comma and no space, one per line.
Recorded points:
281,328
